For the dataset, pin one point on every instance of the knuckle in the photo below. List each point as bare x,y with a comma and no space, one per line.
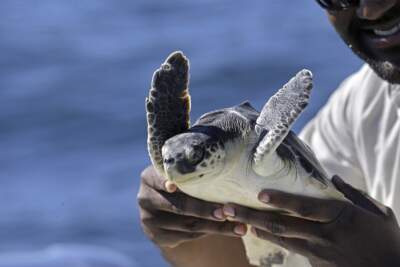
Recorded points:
324,234
194,235
305,210
175,209
148,221
174,202
346,215
196,207
147,199
178,205
147,173
143,201
163,241
244,213
318,251
163,238
206,210
151,233
192,225
338,225
225,227
314,249
274,225
280,240
150,178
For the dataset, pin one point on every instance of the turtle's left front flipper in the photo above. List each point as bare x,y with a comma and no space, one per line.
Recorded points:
168,105
277,118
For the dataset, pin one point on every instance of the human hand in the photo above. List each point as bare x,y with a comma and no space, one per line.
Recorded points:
328,232
170,217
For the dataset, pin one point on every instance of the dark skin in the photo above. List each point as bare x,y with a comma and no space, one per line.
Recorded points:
356,26
327,232
189,231
194,233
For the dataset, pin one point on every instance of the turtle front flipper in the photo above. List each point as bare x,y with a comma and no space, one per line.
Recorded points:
276,119
168,105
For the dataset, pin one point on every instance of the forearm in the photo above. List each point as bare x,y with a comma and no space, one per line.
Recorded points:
210,251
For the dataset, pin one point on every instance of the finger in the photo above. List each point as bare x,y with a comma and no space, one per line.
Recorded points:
182,204
151,223
316,209
195,225
274,223
170,187
358,197
292,244
168,238
179,203
152,179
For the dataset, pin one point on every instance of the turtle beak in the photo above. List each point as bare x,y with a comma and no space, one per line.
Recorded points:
177,168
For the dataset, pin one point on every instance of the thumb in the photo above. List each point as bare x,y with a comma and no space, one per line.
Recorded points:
170,187
358,197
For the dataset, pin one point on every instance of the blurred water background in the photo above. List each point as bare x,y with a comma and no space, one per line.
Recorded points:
73,78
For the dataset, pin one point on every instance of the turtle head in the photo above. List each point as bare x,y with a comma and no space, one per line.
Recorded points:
191,156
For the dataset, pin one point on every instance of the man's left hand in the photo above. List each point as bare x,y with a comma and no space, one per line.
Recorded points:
360,232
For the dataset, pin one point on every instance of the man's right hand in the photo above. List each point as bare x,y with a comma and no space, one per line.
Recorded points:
170,217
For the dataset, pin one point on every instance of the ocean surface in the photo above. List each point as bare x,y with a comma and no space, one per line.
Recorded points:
73,78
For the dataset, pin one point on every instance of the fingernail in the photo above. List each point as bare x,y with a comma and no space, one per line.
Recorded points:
229,211
219,214
240,229
253,231
264,197
170,187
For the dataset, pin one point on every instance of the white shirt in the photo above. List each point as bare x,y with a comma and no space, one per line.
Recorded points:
357,136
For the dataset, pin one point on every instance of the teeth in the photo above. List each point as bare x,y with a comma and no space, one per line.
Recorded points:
388,32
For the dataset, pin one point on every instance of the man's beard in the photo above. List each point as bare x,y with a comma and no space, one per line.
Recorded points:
384,69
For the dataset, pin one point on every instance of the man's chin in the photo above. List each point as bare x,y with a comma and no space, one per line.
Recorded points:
386,70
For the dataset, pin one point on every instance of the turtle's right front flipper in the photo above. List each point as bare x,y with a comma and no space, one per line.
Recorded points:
168,105
277,118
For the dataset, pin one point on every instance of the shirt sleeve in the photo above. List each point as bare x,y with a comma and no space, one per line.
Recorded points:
330,135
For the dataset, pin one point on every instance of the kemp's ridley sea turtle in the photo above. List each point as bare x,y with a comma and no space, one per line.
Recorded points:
230,155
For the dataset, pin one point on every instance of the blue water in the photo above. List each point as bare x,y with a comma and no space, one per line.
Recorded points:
73,78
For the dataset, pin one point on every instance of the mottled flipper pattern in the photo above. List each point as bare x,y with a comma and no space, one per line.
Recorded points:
279,113
168,105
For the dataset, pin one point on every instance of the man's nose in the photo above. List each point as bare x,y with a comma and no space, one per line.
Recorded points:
374,9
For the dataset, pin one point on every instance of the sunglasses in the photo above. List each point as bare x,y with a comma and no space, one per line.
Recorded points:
337,5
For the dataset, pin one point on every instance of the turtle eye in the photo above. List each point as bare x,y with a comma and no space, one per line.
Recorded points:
195,154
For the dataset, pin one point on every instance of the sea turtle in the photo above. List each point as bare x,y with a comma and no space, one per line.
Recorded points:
231,154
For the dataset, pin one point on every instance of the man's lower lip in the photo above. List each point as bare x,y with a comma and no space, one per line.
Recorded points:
381,42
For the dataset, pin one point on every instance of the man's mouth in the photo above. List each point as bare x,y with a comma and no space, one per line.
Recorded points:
383,35
388,31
